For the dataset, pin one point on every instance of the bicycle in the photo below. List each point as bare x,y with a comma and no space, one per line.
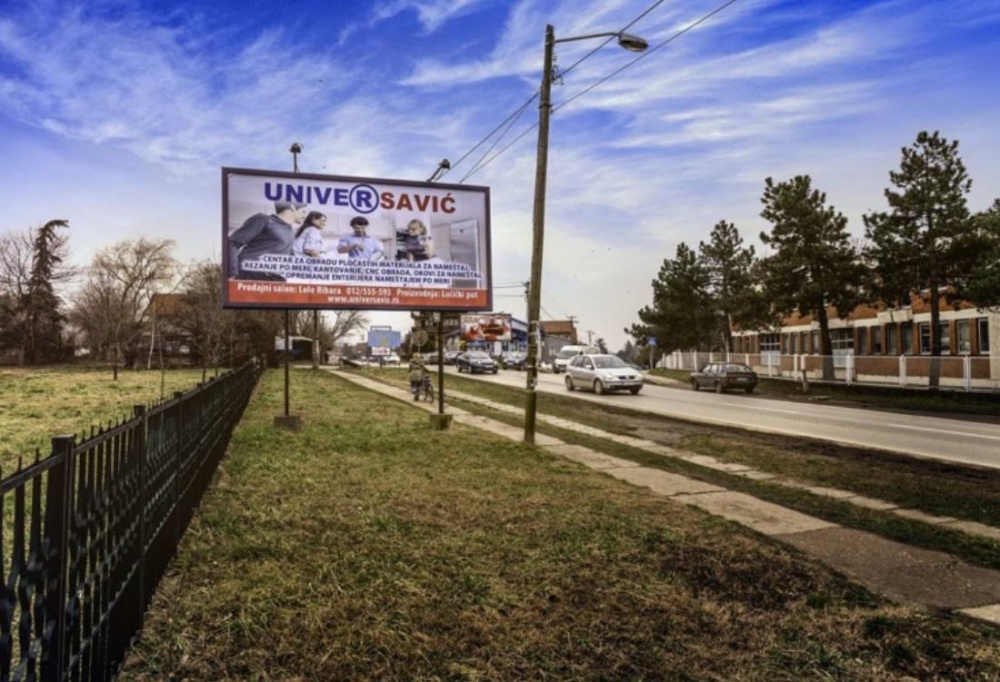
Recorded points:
427,389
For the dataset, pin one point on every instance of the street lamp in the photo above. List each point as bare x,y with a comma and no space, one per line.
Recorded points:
632,44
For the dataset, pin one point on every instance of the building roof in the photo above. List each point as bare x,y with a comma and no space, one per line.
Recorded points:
564,328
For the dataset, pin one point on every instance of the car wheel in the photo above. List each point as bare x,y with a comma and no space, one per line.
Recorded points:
599,387
750,389
695,385
635,391
569,383
494,370
719,388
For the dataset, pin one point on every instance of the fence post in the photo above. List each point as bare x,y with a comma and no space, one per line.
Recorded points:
849,366
178,449
58,508
769,364
140,453
967,372
902,370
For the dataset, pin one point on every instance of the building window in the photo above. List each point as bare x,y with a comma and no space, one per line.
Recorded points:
906,337
964,337
770,343
815,342
892,339
925,338
876,340
984,334
862,341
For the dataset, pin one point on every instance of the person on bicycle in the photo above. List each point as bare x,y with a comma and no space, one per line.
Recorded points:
417,374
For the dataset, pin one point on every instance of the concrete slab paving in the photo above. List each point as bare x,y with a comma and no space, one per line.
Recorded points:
763,517
828,492
662,482
905,574
872,503
974,528
921,516
755,475
990,614
590,458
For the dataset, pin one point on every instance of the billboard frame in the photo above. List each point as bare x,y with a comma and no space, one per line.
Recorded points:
486,232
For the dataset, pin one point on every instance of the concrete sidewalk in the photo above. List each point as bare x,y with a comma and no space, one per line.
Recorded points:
905,574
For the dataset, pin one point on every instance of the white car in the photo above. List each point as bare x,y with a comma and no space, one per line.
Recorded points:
567,353
602,374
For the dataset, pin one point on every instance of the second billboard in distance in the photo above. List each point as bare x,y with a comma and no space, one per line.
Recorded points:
293,240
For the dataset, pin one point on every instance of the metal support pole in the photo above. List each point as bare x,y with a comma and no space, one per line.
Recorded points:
538,237
440,363
316,347
287,353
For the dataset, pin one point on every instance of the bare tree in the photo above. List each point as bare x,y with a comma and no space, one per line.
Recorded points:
201,315
110,305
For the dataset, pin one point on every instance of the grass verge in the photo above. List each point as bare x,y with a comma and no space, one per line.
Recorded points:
368,546
40,402
934,488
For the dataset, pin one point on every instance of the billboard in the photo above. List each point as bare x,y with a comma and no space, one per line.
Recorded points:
297,240
384,338
489,327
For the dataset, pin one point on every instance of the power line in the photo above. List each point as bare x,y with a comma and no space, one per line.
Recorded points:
673,37
648,52
512,118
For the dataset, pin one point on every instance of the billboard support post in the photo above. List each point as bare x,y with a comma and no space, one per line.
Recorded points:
287,420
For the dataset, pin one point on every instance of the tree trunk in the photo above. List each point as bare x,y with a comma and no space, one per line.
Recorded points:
934,373
825,344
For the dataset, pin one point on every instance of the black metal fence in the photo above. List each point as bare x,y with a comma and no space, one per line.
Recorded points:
87,533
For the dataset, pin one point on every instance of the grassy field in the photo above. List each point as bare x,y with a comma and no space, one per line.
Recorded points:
880,397
934,488
368,546
38,403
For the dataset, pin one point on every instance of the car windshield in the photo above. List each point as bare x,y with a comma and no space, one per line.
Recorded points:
567,354
609,362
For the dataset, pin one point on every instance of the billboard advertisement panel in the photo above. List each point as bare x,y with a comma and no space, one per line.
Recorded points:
298,240
489,327
384,338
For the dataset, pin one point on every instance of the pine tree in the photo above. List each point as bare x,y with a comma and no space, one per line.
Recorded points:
735,300
984,281
814,264
682,315
42,305
922,244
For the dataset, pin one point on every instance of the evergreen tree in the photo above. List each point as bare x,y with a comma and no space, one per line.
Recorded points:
814,264
731,286
682,314
923,243
42,305
984,282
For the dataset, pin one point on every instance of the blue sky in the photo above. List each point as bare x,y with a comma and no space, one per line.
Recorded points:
118,114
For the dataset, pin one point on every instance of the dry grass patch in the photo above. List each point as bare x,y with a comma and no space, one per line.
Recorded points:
40,402
368,546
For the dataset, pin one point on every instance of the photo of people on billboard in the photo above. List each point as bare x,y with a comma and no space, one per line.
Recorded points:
489,327
318,241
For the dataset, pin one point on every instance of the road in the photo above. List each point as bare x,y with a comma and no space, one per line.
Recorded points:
951,440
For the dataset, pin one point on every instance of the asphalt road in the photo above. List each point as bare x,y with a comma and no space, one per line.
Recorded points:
952,440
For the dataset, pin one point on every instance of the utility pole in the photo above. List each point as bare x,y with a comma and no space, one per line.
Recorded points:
590,337
572,324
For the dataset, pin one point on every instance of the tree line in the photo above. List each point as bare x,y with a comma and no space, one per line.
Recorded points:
133,295
926,243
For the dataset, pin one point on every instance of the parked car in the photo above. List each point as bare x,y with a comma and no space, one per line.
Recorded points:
566,353
450,356
476,361
431,358
392,359
602,374
514,360
723,376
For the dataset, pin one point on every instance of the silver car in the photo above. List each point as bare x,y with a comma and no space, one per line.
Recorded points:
602,374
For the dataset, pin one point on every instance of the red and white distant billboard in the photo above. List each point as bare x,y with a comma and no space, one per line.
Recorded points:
487,327
298,240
